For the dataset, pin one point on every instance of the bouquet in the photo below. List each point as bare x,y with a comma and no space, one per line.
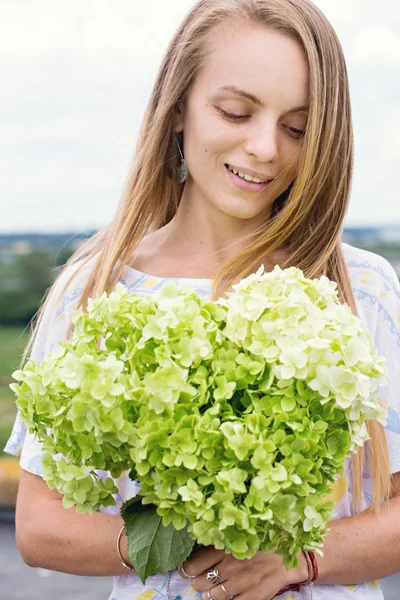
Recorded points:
234,416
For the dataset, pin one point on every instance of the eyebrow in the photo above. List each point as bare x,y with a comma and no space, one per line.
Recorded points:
234,90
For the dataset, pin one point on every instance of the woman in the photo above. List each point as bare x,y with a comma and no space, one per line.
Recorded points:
244,158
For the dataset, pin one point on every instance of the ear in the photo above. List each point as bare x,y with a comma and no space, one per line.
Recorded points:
178,118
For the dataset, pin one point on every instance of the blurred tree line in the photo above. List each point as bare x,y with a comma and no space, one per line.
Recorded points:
24,281
26,275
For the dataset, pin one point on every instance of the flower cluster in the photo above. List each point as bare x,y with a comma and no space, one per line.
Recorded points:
234,416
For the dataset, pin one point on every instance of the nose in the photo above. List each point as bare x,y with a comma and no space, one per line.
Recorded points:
262,143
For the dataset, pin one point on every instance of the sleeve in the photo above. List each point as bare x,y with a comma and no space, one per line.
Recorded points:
53,329
387,340
376,289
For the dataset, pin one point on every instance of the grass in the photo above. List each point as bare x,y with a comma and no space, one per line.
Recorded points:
12,344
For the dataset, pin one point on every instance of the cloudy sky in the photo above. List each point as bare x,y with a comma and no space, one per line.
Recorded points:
76,76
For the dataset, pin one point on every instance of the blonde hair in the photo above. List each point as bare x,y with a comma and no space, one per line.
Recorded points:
308,217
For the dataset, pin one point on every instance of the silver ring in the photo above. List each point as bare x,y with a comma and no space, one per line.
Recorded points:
187,574
209,595
227,594
214,576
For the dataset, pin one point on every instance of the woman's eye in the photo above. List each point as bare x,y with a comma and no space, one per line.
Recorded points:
233,116
296,133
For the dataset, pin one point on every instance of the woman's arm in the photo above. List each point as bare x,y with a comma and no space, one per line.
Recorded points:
364,547
48,535
53,537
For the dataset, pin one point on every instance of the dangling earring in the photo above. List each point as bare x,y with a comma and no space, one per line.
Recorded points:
181,172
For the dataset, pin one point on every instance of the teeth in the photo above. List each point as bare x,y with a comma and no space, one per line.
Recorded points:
245,176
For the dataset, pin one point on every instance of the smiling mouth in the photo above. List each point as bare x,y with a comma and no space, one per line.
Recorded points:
246,182
246,177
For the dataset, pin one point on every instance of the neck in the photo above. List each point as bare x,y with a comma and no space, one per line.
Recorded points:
207,233
198,241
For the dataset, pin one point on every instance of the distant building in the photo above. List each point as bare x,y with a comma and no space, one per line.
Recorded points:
368,236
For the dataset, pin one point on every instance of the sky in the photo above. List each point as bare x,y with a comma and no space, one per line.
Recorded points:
76,77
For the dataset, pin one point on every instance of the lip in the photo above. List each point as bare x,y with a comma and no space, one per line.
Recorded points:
244,185
261,176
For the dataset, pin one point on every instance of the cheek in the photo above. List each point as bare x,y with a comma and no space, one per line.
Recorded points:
207,133
203,148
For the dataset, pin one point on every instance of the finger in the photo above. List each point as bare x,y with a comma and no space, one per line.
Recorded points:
223,591
183,573
209,579
203,560
208,595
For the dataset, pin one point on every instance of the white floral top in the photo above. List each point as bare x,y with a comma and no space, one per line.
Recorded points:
377,292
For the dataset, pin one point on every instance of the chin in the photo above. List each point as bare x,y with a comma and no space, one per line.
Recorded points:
244,209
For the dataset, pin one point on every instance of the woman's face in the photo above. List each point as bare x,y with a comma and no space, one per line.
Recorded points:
246,111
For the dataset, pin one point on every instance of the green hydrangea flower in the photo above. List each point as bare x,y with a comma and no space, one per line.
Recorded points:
235,416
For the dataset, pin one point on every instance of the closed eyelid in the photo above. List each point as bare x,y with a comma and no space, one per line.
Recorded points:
234,114
237,116
296,121
292,121
295,132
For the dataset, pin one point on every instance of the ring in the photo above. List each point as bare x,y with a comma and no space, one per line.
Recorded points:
209,595
227,594
214,576
187,574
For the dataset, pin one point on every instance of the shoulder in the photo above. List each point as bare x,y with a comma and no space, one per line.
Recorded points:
376,290
370,271
69,285
61,300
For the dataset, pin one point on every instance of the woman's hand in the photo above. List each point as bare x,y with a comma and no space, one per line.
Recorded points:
259,578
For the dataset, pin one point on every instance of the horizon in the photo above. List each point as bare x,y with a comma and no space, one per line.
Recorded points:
92,230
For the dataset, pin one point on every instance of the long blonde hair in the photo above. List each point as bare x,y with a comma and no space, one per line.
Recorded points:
308,217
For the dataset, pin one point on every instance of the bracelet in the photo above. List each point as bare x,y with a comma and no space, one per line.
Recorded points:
123,563
312,574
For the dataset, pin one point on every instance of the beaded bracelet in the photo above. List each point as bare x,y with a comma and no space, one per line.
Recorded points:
312,575
123,563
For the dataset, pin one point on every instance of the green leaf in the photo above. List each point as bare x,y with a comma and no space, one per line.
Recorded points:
153,548
127,506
